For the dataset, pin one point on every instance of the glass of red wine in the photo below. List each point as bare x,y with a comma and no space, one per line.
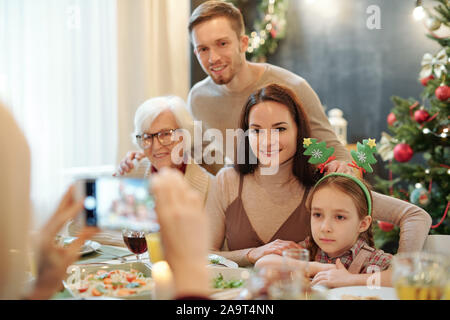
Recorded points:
135,241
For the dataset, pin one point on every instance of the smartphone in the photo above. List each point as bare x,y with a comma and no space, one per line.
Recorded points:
117,203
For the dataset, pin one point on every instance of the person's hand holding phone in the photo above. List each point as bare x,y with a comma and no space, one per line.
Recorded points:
184,231
53,260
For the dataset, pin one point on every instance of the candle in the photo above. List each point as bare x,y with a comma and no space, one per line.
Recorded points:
163,281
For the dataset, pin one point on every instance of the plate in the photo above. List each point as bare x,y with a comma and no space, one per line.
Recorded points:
80,270
362,293
88,247
228,274
216,260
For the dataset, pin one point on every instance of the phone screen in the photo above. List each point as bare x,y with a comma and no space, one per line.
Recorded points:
119,203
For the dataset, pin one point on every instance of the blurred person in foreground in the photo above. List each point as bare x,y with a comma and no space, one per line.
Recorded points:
15,224
181,215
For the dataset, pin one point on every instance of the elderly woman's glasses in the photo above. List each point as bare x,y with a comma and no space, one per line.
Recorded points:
165,137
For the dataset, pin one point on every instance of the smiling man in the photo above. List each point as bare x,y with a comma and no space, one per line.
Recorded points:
218,36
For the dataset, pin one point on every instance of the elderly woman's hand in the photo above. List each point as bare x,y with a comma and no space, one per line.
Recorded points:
53,260
126,165
184,232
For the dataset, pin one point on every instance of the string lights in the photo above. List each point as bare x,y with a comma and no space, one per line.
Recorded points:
268,28
419,11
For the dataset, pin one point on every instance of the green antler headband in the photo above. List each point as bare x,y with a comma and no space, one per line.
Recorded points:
363,156
362,160
321,155
319,152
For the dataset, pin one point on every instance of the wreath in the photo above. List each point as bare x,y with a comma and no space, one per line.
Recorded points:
268,29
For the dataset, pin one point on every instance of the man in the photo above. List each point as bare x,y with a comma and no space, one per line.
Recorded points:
217,34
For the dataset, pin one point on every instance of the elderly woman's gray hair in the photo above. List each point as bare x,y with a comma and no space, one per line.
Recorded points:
152,108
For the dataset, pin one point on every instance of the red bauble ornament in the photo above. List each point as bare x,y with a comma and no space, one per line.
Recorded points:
391,119
424,81
442,92
403,152
273,33
421,115
385,226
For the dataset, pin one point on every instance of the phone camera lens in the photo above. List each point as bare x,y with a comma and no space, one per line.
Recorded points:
90,203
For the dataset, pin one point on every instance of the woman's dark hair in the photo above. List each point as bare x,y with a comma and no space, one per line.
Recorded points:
305,172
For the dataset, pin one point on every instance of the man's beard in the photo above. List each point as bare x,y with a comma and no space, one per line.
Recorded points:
234,69
222,80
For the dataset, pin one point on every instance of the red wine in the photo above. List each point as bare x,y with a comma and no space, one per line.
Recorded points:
136,243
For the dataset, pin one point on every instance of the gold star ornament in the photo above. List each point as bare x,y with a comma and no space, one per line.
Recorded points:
307,142
371,143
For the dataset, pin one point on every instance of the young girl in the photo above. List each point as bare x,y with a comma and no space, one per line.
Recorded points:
341,246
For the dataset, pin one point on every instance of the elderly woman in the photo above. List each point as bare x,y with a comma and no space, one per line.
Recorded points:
163,131
161,127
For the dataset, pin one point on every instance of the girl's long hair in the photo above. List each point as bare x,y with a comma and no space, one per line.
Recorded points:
305,172
354,191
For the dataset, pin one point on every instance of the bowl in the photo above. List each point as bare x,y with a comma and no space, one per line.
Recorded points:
78,272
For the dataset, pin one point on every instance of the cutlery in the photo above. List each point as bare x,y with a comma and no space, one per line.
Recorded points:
121,258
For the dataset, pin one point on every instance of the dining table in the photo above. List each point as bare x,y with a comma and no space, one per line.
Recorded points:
108,255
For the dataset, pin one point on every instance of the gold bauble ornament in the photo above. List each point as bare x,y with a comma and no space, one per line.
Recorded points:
432,23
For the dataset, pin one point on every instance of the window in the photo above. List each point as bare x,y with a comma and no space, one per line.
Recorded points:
58,74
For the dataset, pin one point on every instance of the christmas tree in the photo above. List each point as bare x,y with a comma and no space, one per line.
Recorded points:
269,26
421,129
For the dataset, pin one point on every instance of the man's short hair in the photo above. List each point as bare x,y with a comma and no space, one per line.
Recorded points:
213,9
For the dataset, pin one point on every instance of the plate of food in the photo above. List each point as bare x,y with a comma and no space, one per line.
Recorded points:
121,281
216,260
227,283
362,293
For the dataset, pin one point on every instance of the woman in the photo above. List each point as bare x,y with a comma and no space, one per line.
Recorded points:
163,131
251,210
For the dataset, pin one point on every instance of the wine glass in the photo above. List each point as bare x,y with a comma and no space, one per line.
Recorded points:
135,241
419,275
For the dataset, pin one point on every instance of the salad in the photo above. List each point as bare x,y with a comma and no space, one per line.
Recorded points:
214,260
116,283
220,283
